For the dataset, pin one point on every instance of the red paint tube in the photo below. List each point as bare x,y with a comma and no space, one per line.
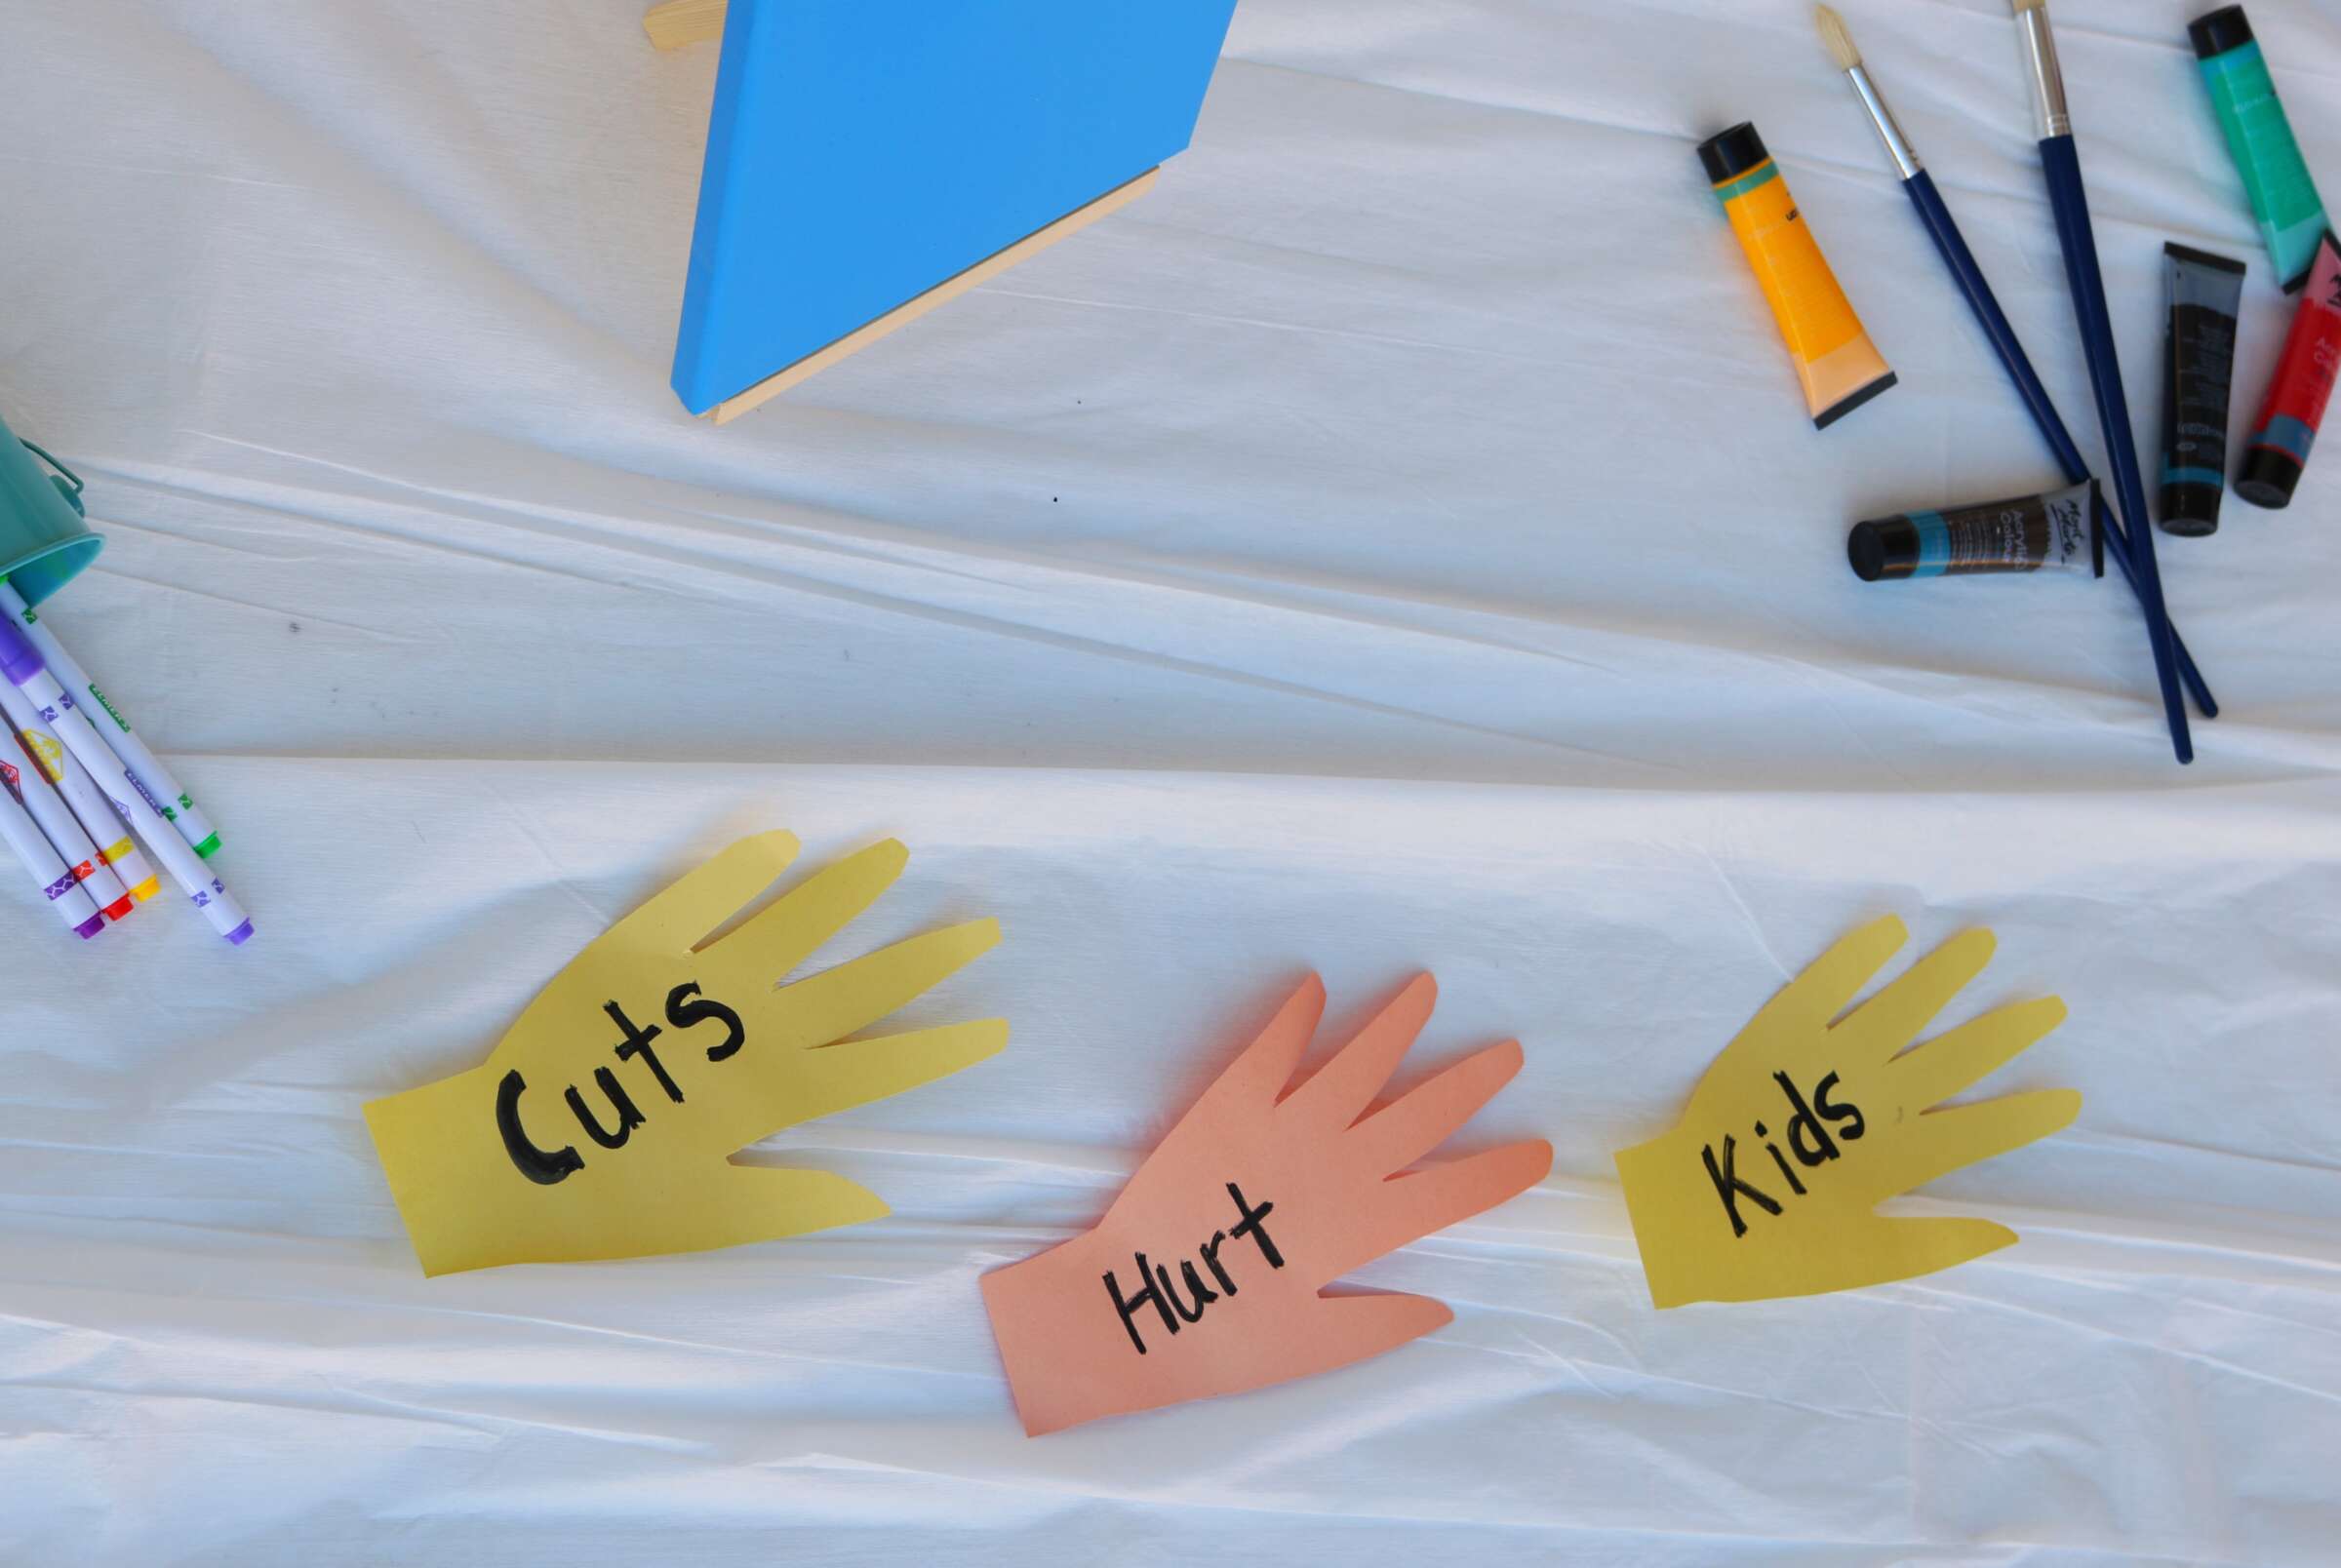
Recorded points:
2278,449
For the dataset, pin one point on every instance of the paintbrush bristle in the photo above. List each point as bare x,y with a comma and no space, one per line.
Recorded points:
2019,6
1837,39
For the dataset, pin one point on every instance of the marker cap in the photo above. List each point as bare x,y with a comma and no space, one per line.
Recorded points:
224,914
44,543
20,660
90,927
1733,153
2222,30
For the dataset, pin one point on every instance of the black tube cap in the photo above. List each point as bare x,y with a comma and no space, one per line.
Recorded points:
2190,511
2269,478
1733,153
2220,31
1883,549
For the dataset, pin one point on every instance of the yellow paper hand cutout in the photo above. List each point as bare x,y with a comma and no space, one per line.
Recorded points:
1768,1185
603,1124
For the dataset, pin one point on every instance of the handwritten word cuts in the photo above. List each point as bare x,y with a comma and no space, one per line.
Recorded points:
685,1009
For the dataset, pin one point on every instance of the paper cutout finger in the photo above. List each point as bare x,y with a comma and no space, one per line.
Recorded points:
604,1122
1768,1186
1204,1277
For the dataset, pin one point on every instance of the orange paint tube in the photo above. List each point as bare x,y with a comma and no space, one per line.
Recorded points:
1840,368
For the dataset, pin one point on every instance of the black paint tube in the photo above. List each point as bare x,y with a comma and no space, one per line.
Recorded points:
2031,534
2198,368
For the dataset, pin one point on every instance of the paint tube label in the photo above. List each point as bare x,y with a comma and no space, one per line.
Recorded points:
2275,176
2036,534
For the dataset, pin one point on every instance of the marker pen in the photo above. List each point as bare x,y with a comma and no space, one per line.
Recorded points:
114,845
50,875
2278,449
1840,368
35,785
98,816
20,664
169,797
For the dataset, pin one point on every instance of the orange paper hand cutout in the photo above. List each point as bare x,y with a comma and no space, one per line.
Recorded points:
1204,1277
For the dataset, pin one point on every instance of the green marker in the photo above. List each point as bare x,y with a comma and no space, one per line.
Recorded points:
2283,197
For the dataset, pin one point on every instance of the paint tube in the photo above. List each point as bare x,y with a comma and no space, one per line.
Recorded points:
2031,534
1839,366
2278,449
2259,134
2199,368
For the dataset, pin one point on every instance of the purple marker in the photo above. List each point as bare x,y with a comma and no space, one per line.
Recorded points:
53,877
21,665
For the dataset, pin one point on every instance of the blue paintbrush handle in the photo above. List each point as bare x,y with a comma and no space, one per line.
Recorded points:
1995,324
2060,161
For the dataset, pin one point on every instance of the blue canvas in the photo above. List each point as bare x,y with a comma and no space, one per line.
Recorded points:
863,152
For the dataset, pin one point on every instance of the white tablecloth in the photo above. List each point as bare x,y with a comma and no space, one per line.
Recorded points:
1395,543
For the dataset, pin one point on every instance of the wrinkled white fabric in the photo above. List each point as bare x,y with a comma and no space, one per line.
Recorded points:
1395,543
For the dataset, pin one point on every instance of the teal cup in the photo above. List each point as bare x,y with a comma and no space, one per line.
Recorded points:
44,541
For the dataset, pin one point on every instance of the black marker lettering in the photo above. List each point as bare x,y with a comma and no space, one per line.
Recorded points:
1728,1186
541,1166
1126,1308
1252,1226
1823,1148
1797,1186
1203,1294
683,1013
638,1043
1129,1307
1838,1110
1161,1286
1211,1256
628,1118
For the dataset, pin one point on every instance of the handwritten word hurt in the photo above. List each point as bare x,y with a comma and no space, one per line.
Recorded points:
1808,1139
1161,1294
684,1008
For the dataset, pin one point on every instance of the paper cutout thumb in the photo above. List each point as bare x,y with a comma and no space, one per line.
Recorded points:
603,1124
1768,1186
1204,1278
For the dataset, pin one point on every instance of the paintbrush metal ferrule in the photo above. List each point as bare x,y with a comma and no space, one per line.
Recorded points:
1889,130
2048,76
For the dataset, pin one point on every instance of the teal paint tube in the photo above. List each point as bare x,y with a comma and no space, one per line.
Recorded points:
2283,196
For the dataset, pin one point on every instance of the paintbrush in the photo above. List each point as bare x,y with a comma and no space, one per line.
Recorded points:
1972,284
2069,199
